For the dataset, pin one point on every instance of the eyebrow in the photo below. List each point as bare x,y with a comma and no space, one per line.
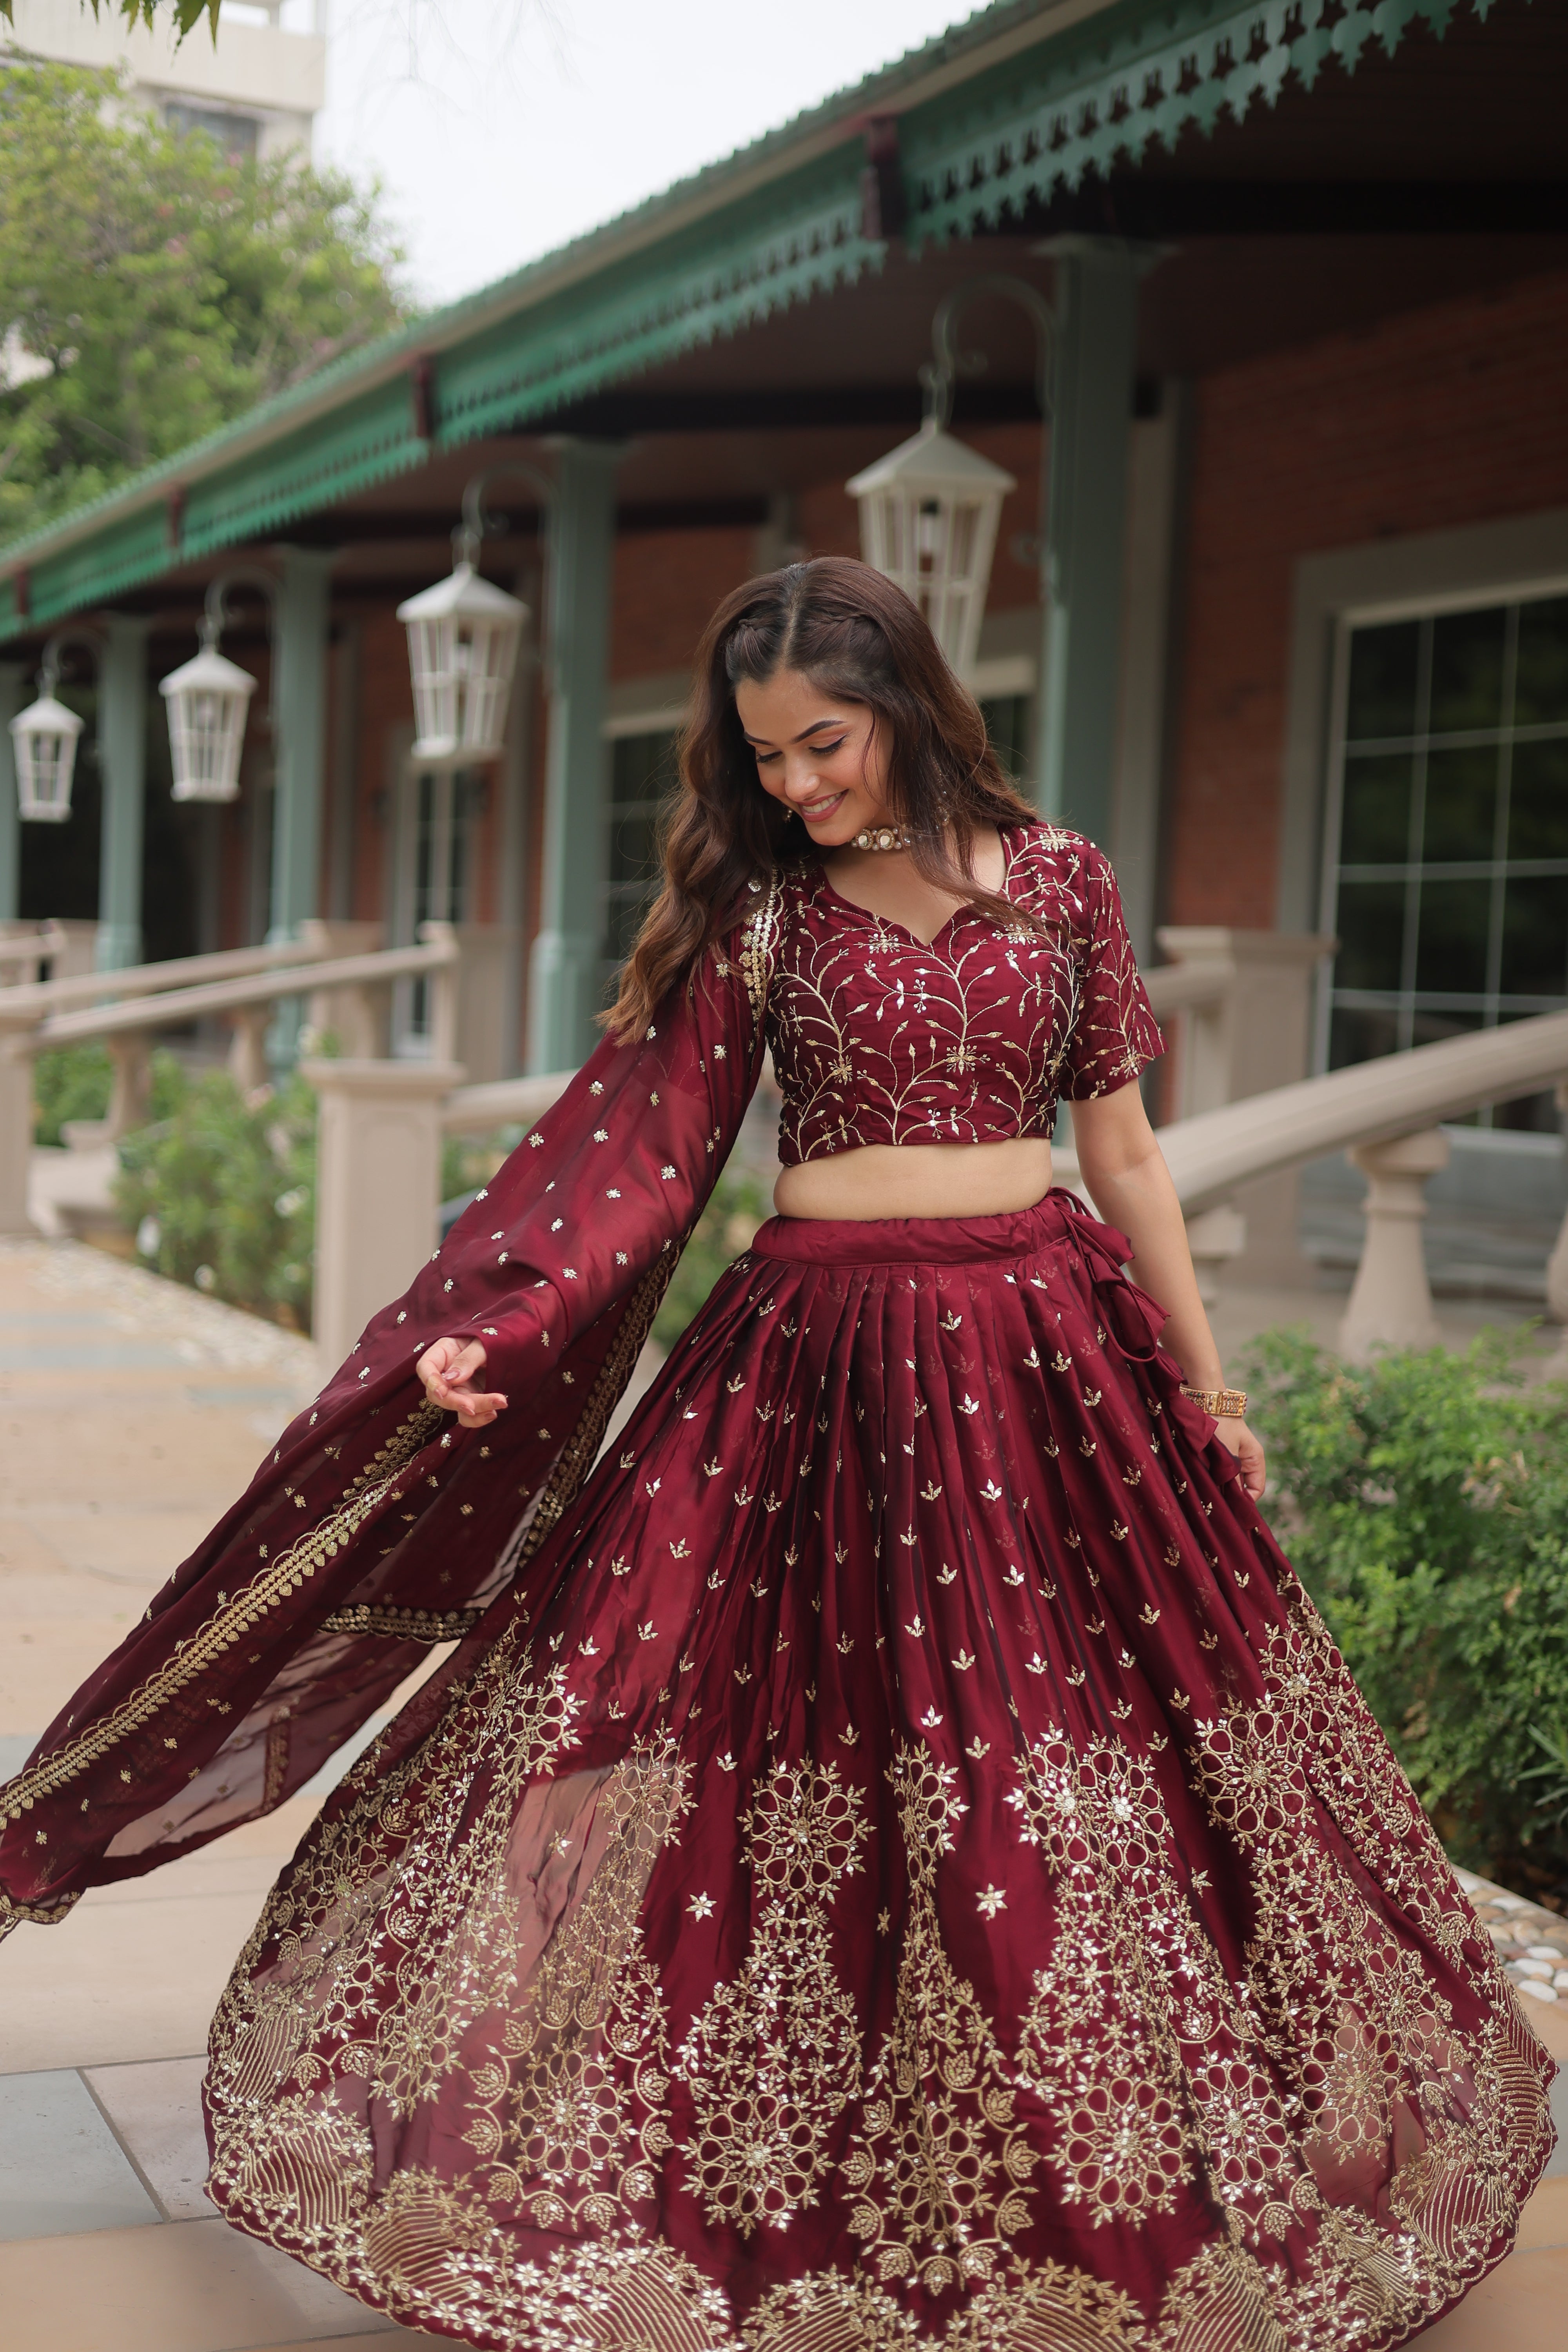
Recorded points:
815,727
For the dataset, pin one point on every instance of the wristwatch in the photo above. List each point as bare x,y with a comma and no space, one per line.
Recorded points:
1225,1404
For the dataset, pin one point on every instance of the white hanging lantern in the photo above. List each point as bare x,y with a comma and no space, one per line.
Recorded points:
208,699
45,735
463,640
929,514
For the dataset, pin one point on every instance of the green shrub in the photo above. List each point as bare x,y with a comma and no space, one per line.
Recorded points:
221,1191
74,1082
737,1207
1424,1503
71,1082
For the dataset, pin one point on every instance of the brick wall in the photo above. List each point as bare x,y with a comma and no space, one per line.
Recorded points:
1434,419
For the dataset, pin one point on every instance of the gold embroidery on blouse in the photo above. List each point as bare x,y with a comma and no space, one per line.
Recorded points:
205,1647
759,949
775,2057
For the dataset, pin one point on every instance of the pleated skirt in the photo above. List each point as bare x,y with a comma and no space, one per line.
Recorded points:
905,1867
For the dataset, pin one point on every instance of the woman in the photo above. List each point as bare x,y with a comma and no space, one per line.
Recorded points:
894,1859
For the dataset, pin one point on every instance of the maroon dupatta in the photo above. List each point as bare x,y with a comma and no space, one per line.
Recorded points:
377,1526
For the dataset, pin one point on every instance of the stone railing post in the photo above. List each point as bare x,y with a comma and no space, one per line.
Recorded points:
247,1063
1557,1367
15,1122
378,1187
1391,1302
130,1095
1215,1237
1258,1041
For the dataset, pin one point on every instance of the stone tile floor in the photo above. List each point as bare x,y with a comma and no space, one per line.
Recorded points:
130,1413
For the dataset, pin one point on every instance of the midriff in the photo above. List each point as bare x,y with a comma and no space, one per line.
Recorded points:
918,1180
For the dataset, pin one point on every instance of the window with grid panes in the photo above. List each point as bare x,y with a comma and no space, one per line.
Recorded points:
1006,718
1448,887
642,772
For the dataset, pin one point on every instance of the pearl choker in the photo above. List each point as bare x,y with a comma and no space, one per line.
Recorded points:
885,836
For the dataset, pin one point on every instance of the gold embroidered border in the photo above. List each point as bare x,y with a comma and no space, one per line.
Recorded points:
224,1628
759,940
431,1626
577,1456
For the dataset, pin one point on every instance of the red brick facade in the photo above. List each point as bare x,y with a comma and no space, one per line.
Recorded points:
1436,418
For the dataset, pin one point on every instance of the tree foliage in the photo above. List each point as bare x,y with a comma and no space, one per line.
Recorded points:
186,14
152,287
1424,1503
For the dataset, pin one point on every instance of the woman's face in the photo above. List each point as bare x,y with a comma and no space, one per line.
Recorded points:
819,755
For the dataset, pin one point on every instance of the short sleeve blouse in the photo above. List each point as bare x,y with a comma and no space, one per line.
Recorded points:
880,1037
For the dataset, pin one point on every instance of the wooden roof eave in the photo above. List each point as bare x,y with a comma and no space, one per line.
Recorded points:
1028,95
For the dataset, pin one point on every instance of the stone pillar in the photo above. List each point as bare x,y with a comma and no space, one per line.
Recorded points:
16,1121
1257,1040
565,972
517,768
1391,1303
378,1188
122,753
299,706
12,693
1092,424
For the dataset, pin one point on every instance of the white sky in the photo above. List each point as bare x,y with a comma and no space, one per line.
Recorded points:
500,128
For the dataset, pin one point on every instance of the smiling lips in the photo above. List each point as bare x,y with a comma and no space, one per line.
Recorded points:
813,812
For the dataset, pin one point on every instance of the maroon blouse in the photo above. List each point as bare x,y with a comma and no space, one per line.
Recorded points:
877,1037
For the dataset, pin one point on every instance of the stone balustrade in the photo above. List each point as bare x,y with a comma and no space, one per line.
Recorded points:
1236,1003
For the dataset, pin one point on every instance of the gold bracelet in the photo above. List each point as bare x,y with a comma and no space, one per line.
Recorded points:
1225,1404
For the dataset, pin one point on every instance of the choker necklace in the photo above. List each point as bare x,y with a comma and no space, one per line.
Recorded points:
885,836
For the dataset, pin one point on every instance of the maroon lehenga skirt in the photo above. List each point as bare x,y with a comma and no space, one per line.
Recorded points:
904,1867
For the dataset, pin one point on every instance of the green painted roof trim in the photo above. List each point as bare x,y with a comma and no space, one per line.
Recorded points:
1120,82
636,293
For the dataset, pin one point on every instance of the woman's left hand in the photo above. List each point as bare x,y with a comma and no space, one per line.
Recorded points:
1249,1452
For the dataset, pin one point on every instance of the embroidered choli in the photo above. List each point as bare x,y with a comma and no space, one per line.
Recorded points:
879,1038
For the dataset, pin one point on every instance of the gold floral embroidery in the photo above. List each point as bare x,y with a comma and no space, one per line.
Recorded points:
941,2158
584,2064
1025,2307
774,2056
1133,2042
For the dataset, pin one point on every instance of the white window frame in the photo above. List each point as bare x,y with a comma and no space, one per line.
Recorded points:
1430,572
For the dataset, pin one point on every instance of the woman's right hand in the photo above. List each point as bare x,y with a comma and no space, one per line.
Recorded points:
447,1369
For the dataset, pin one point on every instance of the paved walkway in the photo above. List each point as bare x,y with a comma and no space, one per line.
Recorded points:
130,1413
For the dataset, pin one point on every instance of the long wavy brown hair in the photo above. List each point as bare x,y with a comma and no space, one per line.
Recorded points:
859,639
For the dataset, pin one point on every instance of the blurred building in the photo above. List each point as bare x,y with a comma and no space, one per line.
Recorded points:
257,90
1309,271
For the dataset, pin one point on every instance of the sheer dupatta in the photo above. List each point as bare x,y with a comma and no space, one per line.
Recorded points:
377,1526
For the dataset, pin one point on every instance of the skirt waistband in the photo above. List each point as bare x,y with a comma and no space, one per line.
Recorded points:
938,1240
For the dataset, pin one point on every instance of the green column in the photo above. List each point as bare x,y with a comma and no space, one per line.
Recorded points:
1097,314
565,974
299,705
12,693
123,758
299,650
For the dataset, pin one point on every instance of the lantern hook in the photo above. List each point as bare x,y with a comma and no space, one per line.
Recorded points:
62,642
216,611
470,532
939,375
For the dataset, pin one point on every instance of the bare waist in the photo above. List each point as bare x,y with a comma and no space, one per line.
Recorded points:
918,1180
